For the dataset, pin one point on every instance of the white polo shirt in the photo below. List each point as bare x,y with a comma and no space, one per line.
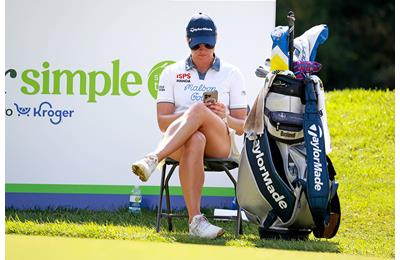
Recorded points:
181,84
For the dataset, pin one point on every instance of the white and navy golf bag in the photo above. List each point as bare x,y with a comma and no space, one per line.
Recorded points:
286,182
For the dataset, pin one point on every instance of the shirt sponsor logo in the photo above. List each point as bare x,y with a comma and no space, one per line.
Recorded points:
200,88
196,96
197,90
183,77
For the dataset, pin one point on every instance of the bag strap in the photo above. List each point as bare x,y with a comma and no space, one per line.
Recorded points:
318,190
330,230
269,183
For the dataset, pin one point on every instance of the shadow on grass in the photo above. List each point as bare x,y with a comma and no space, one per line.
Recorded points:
147,219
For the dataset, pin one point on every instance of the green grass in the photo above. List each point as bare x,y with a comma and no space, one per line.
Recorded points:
361,125
125,226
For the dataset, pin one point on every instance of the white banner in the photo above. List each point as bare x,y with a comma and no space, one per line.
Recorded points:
81,76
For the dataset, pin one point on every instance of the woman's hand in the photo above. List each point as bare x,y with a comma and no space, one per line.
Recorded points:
234,118
219,109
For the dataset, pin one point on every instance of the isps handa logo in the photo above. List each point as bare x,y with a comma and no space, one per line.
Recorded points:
44,110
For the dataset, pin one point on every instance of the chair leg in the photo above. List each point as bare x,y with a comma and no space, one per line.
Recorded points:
230,176
239,223
168,198
159,209
239,228
168,202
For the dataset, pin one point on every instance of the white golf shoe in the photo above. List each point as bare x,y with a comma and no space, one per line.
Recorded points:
200,227
145,167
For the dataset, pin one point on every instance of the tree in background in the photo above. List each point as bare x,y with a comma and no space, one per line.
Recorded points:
359,52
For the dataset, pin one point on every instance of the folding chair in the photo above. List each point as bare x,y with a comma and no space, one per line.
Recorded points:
210,164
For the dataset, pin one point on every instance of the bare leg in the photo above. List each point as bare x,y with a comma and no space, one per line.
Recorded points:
197,118
191,173
196,133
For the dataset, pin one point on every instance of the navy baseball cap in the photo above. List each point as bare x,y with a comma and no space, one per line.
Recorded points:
201,29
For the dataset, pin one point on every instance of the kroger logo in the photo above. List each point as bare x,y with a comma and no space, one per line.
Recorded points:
44,110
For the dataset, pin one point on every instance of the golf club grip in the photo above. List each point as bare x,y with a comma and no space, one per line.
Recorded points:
291,19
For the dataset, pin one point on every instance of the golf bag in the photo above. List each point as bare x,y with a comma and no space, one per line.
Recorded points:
286,183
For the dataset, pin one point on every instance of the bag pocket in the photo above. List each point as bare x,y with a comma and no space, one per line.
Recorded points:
286,127
286,121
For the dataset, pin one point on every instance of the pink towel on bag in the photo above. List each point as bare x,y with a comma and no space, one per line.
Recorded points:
305,68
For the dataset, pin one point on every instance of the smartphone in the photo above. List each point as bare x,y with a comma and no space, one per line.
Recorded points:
210,96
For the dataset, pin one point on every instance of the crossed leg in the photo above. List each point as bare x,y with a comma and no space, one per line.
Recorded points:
198,132
197,118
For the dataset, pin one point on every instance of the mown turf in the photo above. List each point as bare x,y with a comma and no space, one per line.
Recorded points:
361,125
19,247
125,226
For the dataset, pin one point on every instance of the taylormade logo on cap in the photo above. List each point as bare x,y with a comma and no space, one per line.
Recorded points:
200,29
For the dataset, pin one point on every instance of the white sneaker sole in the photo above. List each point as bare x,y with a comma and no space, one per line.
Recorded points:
219,234
140,172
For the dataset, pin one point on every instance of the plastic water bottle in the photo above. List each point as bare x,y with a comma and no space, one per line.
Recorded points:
234,204
135,200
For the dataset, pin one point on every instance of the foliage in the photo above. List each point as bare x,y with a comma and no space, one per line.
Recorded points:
360,49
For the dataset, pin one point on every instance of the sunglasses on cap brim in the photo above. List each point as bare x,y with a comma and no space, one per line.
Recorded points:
196,47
